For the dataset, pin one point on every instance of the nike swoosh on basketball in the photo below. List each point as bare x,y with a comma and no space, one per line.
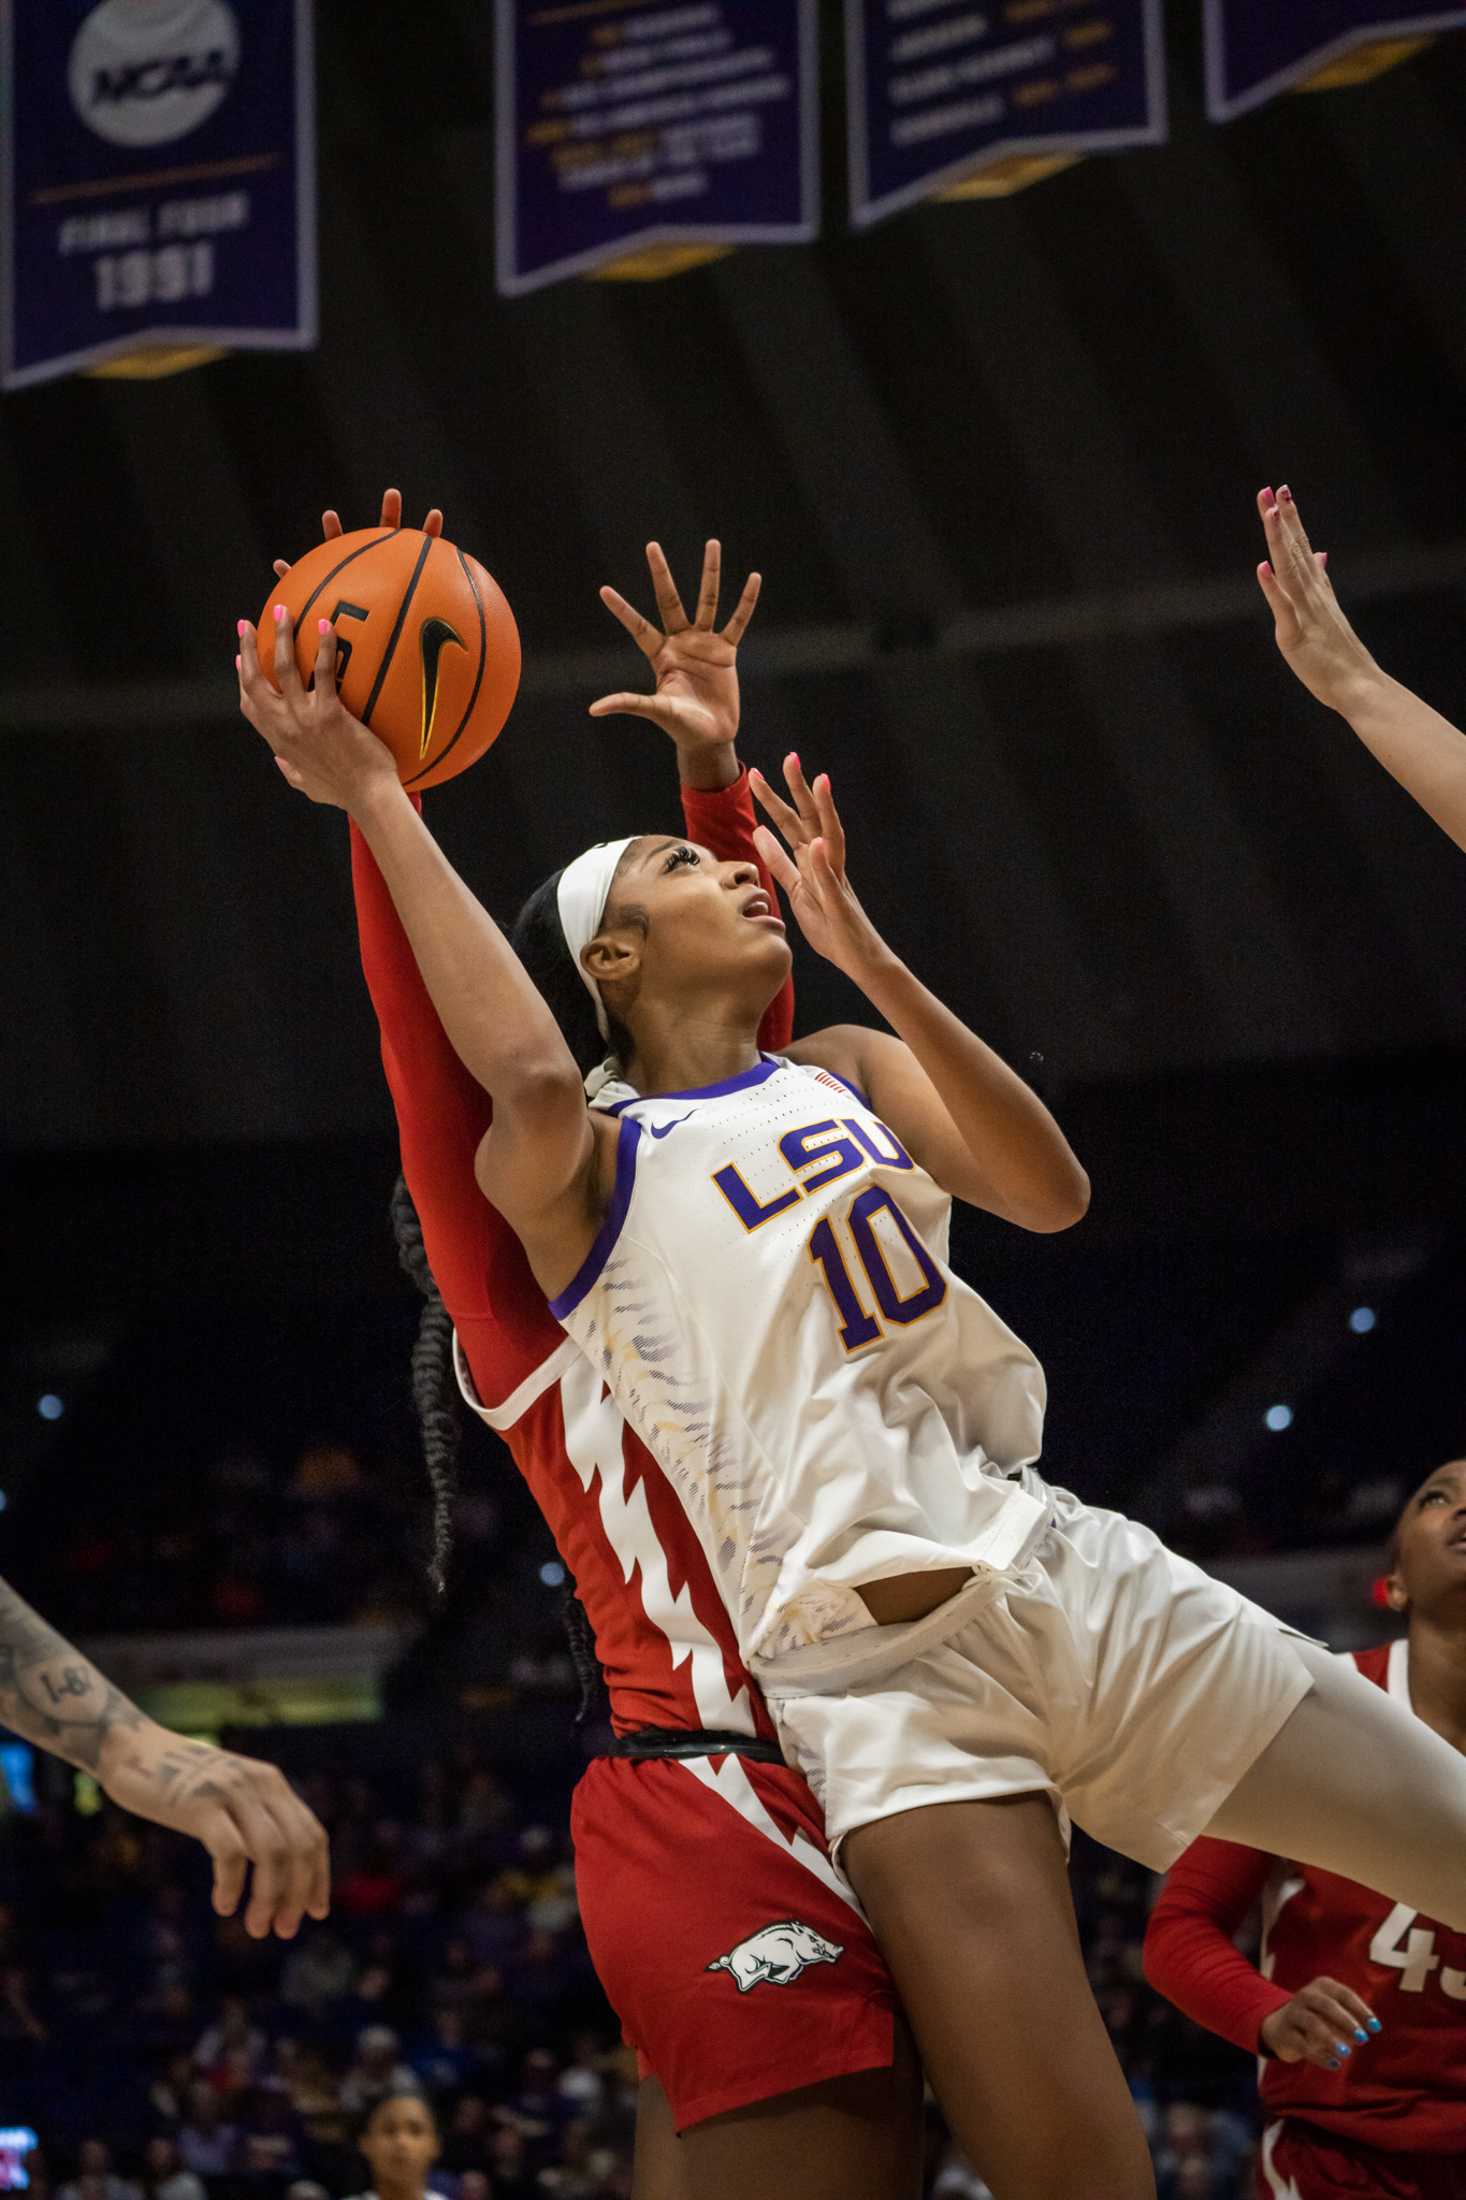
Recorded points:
660,1130
433,638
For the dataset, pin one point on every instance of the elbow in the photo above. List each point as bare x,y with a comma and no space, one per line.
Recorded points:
539,1085
1064,1204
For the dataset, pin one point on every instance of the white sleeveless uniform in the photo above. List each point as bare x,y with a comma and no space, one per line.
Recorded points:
769,1301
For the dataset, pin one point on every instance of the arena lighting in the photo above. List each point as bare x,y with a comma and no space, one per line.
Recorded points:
552,1573
1279,1418
1362,1320
49,1406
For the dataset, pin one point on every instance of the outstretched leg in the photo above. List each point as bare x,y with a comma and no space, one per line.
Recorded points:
1356,1785
970,1903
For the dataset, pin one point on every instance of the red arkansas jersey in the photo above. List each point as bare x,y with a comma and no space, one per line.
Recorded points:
1402,2092
662,1634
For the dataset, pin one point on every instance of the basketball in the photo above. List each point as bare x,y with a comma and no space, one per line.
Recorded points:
427,651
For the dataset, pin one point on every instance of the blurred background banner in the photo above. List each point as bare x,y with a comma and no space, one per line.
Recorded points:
1258,48
638,137
942,95
159,181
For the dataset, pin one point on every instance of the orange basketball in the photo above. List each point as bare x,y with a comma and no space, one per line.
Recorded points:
427,652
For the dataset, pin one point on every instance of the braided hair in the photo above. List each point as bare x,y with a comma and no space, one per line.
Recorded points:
440,1418
434,1391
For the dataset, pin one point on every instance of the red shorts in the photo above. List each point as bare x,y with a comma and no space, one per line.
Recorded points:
726,1941
1299,2162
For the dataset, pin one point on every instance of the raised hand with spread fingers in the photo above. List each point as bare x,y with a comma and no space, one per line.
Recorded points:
695,699
1416,745
809,864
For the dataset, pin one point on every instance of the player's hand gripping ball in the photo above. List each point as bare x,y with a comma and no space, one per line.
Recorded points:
427,651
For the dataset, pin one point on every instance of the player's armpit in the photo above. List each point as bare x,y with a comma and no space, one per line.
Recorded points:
548,1164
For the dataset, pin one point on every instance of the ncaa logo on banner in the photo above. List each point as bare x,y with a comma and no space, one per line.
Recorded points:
143,72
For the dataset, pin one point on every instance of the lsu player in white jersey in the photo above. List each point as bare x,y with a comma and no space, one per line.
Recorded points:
752,1250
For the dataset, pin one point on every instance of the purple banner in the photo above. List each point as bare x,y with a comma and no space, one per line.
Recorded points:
158,179
1258,48
940,89
643,123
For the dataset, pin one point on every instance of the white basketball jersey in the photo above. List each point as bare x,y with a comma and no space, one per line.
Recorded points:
769,1300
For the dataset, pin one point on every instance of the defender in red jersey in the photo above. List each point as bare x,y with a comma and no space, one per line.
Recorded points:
1359,2006
730,1946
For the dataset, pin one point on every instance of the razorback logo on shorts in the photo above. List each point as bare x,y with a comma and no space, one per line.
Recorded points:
776,1953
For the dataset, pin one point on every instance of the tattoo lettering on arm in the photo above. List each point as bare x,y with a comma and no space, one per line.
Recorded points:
50,1694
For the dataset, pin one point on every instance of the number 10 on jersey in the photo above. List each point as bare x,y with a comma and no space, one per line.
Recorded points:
858,1326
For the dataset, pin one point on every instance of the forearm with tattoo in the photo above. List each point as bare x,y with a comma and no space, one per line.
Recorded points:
51,1694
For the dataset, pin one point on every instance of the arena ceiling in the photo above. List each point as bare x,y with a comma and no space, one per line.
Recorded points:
996,462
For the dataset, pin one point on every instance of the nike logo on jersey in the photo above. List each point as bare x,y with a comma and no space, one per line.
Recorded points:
661,1130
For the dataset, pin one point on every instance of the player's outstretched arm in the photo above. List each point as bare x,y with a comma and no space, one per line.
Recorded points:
1416,745
1191,1957
696,703
541,1160
242,1811
981,1132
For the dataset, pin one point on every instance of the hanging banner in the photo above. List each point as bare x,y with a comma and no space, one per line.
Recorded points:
940,90
1258,48
158,178
624,125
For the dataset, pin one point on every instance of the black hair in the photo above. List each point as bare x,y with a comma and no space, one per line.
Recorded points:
538,939
361,2122
440,1418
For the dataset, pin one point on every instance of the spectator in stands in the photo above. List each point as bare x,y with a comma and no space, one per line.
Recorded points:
269,2137
232,2051
376,2072
319,1970
466,2144
442,2056
95,2177
509,2165
208,2143
164,2176
168,2093
583,2167
399,2137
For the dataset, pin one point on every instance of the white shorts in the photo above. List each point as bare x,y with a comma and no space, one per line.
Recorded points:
1107,1673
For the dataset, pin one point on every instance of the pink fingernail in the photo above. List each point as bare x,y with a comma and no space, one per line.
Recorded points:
1266,568
279,614
1268,498
323,626
1285,494
1323,557
239,626
238,664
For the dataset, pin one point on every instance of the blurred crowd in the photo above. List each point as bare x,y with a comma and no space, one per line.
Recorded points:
161,2054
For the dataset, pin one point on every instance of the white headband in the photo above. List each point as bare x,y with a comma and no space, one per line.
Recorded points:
581,897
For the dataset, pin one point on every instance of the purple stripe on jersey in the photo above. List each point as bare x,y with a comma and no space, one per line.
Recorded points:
746,1077
628,1138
